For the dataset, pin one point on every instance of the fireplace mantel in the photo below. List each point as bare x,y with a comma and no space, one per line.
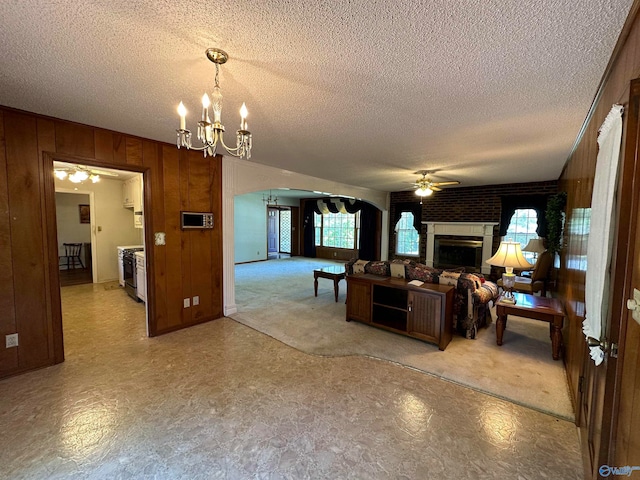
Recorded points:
461,229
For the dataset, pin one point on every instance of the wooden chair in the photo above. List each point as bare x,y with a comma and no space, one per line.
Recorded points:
72,255
537,282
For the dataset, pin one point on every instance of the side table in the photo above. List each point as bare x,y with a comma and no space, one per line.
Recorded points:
334,272
536,308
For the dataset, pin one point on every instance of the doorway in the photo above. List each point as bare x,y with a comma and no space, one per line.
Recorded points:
100,213
280,232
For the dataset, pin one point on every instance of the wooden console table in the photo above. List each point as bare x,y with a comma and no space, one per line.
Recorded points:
537,308
424,312
333,272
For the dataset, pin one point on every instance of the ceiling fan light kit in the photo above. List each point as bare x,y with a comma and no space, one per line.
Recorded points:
425,187
78,174
211,132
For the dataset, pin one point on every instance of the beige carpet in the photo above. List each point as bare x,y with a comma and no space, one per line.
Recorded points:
276,298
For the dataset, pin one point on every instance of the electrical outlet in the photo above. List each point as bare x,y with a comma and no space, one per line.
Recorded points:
187,303
11,340
335,254
196,300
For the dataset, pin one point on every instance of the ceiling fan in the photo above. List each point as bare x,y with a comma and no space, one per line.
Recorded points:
80,173
425,187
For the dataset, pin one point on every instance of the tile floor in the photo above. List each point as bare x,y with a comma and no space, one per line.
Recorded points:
221,400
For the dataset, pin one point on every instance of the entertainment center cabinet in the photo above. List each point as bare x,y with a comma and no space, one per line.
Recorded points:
424,312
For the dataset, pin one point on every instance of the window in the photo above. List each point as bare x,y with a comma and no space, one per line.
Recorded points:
407,237
338,230
523,228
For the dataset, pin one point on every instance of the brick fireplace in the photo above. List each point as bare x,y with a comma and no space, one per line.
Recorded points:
455,235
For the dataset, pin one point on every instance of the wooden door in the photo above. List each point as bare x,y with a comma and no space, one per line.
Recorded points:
272,230
610,408
625,402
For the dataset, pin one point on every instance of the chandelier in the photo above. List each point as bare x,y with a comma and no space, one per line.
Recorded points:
270,200
210,133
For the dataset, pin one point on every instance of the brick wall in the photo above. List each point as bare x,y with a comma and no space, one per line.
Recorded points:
464,204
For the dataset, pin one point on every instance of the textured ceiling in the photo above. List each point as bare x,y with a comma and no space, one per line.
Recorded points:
363,92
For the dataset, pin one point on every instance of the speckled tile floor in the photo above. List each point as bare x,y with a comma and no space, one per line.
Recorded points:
221,400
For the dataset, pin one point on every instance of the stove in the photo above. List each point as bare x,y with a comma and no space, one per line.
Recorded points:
129,271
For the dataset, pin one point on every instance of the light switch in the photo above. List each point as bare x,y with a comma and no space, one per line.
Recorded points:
160,238
196,300
187,302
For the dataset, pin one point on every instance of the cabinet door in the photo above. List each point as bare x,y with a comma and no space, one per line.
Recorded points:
358,301
141,283
136,187
127,197
425,314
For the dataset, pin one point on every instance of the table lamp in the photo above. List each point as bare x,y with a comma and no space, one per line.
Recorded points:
509,256
536,246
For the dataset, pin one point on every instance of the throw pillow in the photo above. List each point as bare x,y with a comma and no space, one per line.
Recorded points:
397,270
358,267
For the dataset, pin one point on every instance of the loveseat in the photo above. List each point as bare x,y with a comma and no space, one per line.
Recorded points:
473,298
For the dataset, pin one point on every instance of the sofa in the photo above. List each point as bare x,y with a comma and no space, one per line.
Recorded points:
473,298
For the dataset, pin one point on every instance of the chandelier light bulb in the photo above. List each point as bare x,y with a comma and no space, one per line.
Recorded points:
61,174
243,116
182,111
205,107
94,178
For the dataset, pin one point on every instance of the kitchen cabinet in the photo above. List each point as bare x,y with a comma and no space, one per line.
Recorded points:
141,278
132,198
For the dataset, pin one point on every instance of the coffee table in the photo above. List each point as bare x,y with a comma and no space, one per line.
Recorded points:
334,272
537,308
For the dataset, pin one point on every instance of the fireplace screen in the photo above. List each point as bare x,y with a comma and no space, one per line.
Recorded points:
454,253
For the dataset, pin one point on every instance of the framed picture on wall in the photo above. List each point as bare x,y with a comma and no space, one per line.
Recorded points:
85,214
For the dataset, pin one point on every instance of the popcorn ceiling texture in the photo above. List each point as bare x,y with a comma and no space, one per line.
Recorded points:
361,92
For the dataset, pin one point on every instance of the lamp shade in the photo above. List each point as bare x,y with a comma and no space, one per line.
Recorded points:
509,255
535,245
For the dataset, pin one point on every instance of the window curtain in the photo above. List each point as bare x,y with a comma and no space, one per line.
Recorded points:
413,207
368,229
309,231
512,203
600,240
368,223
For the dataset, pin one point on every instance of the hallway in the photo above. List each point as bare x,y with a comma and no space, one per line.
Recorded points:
221,400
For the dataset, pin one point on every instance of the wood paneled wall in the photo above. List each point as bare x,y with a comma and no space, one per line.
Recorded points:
577,180
189,264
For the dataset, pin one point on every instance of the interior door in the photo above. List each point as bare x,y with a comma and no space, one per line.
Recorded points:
605,424
272,230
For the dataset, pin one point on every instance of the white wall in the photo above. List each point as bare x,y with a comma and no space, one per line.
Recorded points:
70,230
111,222
250,228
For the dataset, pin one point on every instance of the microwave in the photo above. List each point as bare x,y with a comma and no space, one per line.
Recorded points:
192,220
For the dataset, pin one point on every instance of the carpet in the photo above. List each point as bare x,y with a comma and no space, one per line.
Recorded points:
276,298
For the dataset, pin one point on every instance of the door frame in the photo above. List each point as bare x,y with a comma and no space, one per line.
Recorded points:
51,230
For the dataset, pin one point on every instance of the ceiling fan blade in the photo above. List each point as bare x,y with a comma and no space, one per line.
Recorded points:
443,184
104,173
434,188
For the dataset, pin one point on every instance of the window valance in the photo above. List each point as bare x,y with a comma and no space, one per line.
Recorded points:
511,203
